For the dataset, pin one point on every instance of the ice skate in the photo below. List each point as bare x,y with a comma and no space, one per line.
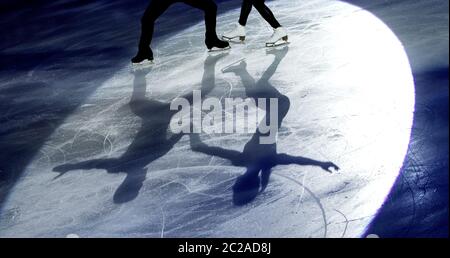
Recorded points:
277,50
142,59
236,35
279,37
214,44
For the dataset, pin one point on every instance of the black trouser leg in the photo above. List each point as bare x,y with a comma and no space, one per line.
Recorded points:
210,10
245,11
158,7
155,9
262,8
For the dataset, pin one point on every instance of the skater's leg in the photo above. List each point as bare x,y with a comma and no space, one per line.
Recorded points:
265,12
208,78
210,10
151,14
245,11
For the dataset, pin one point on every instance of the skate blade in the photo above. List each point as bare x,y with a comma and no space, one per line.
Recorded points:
142,65
235,40
277,44
215,49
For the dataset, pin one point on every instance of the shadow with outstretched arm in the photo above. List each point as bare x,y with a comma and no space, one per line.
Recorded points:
152,141
257,157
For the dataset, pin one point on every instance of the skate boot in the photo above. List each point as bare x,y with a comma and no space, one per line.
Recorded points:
143,58
238,33
214,44
279,37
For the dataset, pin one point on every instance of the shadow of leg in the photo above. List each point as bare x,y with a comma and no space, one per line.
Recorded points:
129,189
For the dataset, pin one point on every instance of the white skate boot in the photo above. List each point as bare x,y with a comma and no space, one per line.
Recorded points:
238,33
279,37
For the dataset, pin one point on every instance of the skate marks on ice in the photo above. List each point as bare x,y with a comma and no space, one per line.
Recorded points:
348,105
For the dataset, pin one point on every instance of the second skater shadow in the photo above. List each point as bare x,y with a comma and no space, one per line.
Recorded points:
258,158
153,139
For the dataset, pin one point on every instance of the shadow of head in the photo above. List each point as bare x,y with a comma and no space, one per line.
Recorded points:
246,189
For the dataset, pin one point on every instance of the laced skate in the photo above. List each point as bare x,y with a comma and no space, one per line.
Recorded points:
214,44
238,33
279,37
142,59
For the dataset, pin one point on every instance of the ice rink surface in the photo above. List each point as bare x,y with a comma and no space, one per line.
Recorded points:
351,92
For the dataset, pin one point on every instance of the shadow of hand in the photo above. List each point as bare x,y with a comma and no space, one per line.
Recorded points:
327,166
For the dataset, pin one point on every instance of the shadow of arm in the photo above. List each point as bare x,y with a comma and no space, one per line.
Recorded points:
284,159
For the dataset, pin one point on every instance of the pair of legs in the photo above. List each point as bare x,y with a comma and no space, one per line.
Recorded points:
262,8
278,37
158,7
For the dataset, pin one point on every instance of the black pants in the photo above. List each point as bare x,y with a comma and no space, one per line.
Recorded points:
158,7
262,8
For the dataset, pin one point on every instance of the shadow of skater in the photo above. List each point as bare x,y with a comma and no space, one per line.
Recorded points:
257,157
153,140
